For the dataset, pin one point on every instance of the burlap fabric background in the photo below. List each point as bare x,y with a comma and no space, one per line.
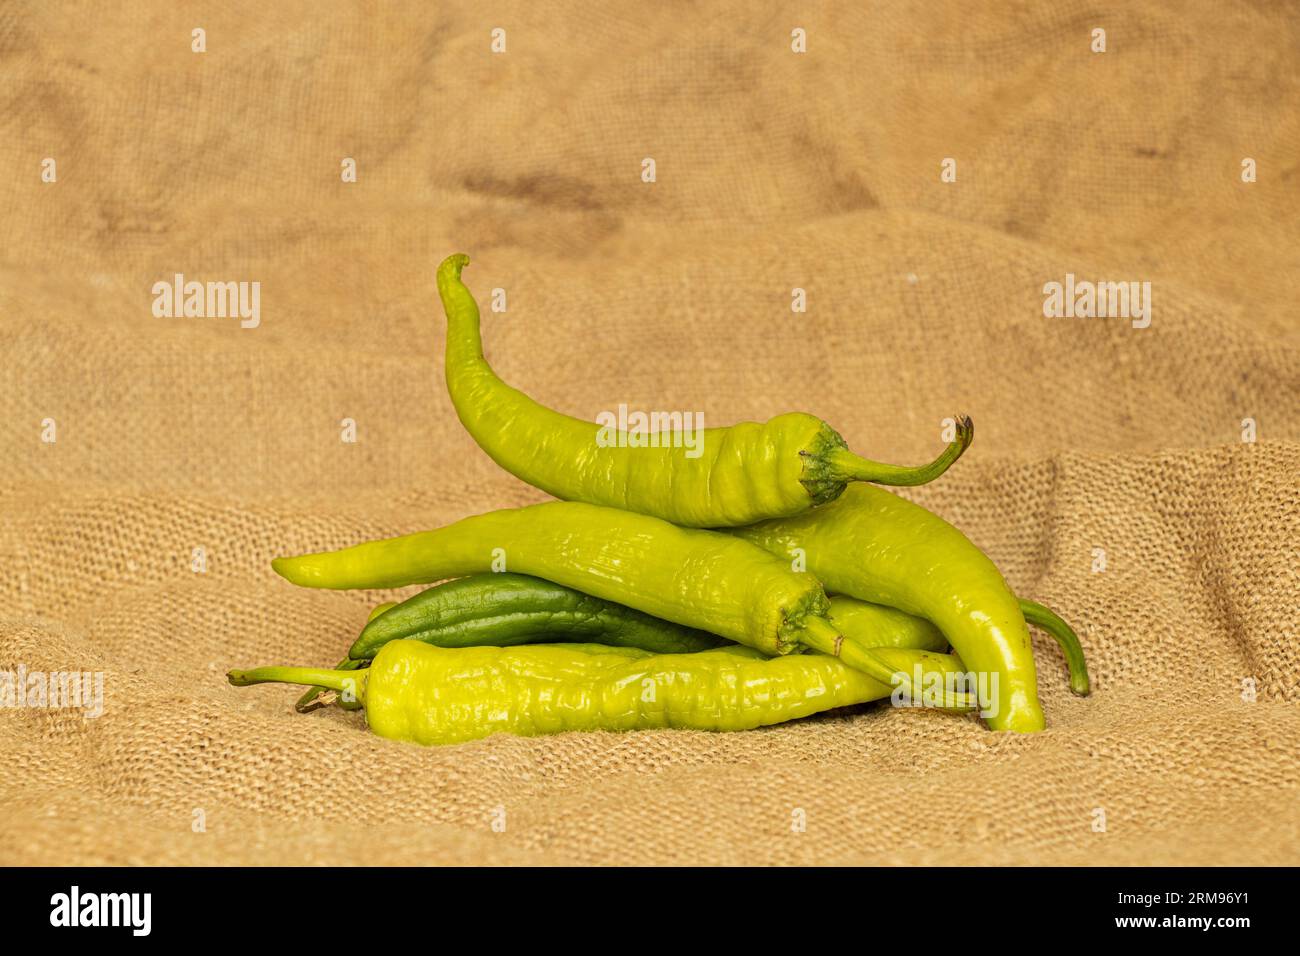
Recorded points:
775,170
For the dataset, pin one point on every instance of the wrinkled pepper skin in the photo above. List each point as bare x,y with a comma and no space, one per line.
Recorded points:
742,474
432,695
873,545
701,579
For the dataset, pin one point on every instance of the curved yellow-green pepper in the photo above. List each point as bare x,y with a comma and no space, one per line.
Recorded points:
875,546
733,476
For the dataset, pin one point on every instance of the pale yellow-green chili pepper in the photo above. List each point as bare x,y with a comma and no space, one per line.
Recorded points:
431,695
876,546
742,474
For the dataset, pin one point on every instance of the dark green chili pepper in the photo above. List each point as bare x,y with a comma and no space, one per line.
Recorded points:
506,609
741,474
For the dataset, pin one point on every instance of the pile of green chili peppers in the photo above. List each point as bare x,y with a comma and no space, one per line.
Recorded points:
763,578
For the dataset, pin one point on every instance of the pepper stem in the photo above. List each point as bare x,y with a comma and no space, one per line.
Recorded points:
821,635
315,698
340,680
312,700
846,466
1044,617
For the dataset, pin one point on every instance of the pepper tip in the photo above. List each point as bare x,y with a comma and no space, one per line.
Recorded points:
452,266
281,567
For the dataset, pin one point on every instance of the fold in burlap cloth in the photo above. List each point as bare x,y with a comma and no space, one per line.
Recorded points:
774,170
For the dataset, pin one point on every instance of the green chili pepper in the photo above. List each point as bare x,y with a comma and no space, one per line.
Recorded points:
700,579
873,545
506,609
430,695
874,625
509,609
742,474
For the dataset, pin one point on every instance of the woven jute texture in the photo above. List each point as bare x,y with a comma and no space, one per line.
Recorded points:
1143,481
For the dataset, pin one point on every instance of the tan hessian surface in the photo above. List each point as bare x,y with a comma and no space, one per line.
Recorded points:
774,171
